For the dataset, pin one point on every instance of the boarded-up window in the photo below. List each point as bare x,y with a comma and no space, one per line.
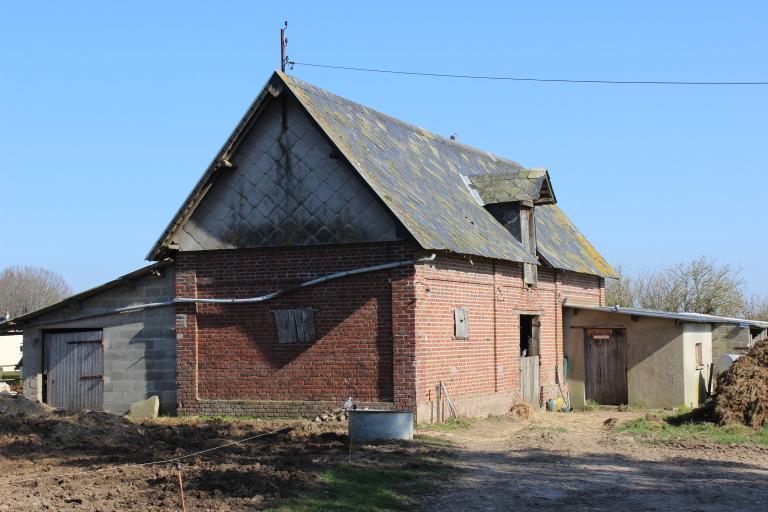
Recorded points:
461,323
295,325
698,355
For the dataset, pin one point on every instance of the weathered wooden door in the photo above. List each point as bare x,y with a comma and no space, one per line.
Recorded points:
75,367
605,358
529,380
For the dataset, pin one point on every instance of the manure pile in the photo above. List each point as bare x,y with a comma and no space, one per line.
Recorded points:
742,390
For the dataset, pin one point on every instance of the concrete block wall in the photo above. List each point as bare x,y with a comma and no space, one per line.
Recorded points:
139,348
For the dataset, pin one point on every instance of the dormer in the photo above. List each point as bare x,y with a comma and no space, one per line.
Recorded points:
511,197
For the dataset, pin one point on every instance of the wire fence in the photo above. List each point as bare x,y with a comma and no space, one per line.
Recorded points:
71,474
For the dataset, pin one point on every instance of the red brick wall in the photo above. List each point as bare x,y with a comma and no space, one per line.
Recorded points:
382,337
482,373
231,353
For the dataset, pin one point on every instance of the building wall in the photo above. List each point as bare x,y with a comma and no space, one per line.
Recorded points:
482,373
384,338
730,339
229,358
696,376
139,348
10,351
655,357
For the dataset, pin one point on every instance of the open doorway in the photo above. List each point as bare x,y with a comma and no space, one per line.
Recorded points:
529,335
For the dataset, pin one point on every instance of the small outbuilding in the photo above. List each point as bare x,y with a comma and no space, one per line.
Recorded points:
652,358
84,353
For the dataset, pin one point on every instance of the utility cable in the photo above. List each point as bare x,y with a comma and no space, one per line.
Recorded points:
526,79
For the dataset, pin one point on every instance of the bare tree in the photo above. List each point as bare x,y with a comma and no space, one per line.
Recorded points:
619,291
699,286
27,289
756,308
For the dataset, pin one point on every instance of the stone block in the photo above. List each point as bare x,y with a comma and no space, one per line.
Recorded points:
145,409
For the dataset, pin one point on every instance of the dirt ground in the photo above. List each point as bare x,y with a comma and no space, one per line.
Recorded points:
552,460
575,462
50,460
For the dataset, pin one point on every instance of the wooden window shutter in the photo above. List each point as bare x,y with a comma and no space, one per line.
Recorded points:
295,325
461,323
528,236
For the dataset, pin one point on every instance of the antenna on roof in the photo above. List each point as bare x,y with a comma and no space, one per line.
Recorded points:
283,43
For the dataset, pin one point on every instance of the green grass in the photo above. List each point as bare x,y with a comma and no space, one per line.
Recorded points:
702,431
449,425
12,377
353,488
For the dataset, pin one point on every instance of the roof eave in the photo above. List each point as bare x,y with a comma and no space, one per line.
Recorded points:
15,323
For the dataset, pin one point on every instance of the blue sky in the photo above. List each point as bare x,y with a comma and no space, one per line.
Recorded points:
111,111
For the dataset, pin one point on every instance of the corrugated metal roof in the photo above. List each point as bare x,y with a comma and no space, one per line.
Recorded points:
422,178
683,317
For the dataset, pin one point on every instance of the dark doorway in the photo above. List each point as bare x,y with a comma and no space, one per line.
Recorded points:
530,388
530,327
605,360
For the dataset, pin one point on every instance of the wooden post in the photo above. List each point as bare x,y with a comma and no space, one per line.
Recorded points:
181,488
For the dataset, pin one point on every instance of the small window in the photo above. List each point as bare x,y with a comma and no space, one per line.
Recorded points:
295,325
698,355
461,323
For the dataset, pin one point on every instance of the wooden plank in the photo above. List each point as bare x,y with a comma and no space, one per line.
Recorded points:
529,380
73,355
605,359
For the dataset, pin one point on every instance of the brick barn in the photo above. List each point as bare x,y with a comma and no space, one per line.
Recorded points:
332,251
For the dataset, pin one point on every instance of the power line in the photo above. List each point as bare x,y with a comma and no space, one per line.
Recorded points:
520,79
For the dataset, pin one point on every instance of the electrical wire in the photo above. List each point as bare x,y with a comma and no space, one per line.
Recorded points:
142,464
526,79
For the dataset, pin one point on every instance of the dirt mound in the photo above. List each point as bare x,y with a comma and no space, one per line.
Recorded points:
18,406
742,390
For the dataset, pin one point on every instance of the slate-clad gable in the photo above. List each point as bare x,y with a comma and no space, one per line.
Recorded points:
286,188
431,188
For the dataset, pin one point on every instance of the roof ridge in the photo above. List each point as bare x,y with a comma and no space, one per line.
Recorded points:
319,91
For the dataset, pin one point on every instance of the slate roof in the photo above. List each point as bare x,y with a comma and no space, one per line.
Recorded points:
423,179
523,185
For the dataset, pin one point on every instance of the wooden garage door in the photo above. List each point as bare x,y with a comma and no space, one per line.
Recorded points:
605,357
75,365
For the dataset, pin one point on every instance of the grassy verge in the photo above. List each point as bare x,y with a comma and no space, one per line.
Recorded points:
671,430
450,425
354,488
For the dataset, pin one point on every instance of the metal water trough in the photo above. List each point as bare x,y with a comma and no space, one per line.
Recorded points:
375,425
